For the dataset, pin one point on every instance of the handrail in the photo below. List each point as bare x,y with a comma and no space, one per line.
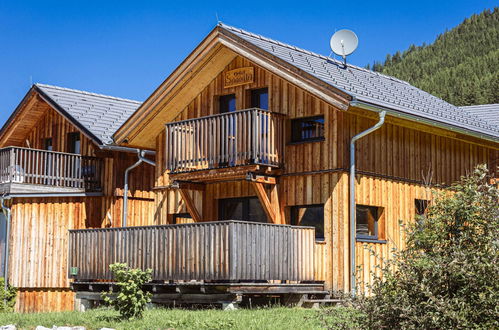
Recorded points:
50,168
47,151
250,136
173,123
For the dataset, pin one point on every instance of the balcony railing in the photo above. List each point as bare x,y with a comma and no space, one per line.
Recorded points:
25,170
245,137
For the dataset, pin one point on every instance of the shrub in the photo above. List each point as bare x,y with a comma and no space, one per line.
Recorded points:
447,276
131,300
7,297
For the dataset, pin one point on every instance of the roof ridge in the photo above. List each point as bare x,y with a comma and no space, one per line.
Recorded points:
327,58
88,93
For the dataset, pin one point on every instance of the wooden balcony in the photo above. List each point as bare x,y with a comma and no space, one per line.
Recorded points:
208,251
240,138
32,171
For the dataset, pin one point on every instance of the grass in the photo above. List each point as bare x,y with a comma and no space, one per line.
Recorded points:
264,318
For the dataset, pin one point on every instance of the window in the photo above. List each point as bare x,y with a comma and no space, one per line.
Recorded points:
74,143
246,209
421,206
368,222
47,144
309,215
260,98
227,103
307,129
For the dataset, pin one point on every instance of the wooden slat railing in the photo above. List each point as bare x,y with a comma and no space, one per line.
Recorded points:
251,136
50,168
221,250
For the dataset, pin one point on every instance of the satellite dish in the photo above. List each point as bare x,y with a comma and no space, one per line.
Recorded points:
344,42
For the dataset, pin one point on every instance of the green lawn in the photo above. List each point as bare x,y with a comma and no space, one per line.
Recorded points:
265,318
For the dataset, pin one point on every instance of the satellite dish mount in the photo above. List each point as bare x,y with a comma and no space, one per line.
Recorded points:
343,43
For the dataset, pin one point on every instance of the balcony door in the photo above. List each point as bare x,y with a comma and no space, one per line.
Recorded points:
246,209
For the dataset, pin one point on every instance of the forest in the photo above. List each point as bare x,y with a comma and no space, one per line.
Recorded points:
461,66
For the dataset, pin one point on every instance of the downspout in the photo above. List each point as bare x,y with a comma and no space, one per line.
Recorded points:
141,155
7,239
352,197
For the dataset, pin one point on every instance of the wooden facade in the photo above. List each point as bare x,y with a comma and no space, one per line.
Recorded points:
207,157
39,229
397,165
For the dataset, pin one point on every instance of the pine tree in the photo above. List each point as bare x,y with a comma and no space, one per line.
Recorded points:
461,66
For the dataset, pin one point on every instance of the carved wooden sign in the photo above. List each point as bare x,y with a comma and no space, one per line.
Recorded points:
237,77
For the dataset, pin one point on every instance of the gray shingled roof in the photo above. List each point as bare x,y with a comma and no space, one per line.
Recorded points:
487,112
368,86
100,115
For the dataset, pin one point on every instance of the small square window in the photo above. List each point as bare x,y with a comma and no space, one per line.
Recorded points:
307,129
309,215
421,206
368,222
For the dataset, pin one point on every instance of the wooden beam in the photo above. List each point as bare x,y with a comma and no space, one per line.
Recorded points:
253,177
189,204
188,185
264,199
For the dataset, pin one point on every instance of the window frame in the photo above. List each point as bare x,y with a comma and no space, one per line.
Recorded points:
219,100
245,208
418,203
251,97
294,122
71,142
293,218
379,223
48,142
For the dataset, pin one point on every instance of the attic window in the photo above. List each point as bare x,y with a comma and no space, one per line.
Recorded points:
307,129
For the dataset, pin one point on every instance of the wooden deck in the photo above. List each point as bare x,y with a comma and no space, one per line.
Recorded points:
33,171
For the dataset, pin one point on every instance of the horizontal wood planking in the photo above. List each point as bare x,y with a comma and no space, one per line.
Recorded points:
229,250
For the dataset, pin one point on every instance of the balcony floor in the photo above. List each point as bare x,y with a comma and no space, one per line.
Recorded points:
222,174
13,188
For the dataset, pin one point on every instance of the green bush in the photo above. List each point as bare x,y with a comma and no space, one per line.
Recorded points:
7,297
131,300
447,276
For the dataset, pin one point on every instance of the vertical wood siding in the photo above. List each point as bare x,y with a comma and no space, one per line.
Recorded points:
393,163
39,241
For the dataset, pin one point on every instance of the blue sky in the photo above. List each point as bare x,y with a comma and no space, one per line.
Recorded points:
127,49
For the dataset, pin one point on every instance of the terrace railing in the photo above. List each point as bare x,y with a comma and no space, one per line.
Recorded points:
221,250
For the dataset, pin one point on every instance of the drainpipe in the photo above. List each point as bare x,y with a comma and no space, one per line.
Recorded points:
352,197
6,210
141,155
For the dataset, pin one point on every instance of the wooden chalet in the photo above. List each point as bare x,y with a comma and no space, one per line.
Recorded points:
251,195
57,173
